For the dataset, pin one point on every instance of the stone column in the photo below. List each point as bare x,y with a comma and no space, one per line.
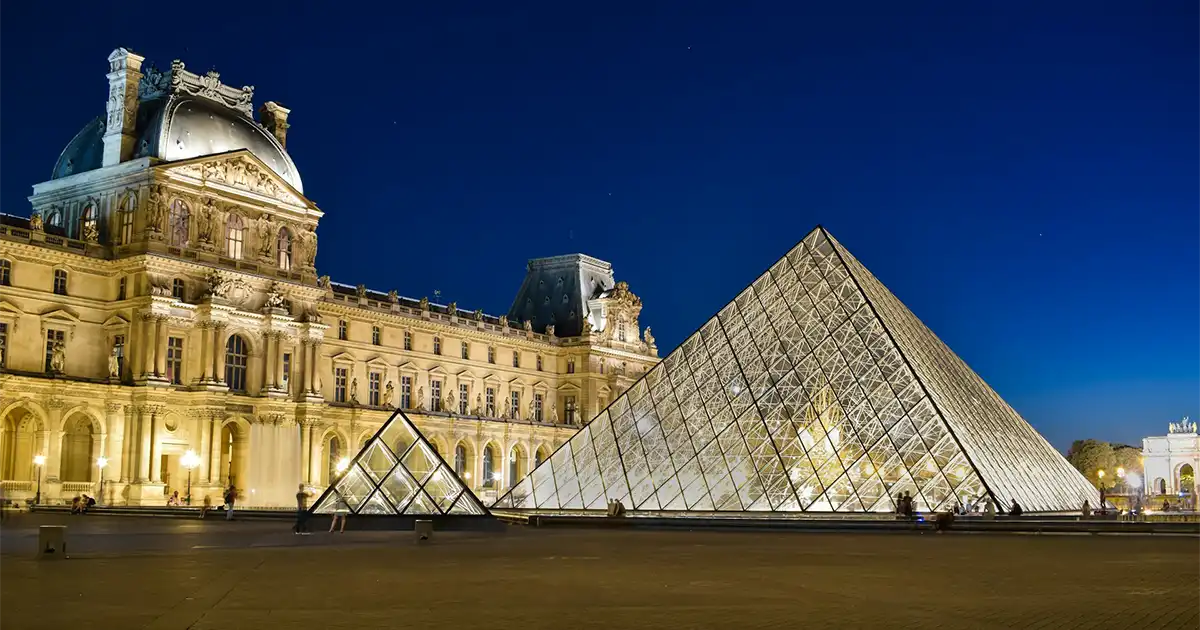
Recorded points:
215,445
219,353
160,364
149,335
114,451
204,420
268,374
127,452
206,348
305,451
155,448
280,346
54,452
314,455
314,371
145,418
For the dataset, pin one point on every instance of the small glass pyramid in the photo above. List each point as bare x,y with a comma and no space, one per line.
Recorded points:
815,390
397,472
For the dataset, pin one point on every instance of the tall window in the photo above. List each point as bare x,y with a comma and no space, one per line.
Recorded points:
491,354
406,392
335,454
60,281
235,236
178,289
464,395
435,394
621,331
514,466
121,288
287,370
284,247
516,358
460,460
339,384
373,381
490,409
539,363
5,273
466,350
3,345
342,329
52,337
437,345
538,458
126,218
375,335
177,224
119,345
175,360
489,467
515,401
407,340
570,365
569,410
87,220
237,354
537,407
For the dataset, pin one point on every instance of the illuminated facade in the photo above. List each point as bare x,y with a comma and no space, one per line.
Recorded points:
163,297
1169,462
815,390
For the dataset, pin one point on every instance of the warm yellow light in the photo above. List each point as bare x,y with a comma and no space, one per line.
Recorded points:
1121,473
1100,474
39,460
190,460
101,462
343,464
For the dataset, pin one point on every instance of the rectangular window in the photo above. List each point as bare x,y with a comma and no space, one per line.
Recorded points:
339,385
121,288
407,340
373,381
571,365
491,354
3,345
466,350
175,360
342,326
177,289
516,358
127,227
537,407
435,395
60,281
52,337
437,345
287,370
490,410
464,398
620,331
539,363
406,392
5,273
375,335
515,405
569,410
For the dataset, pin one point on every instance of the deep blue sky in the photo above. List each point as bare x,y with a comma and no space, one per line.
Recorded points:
1026,182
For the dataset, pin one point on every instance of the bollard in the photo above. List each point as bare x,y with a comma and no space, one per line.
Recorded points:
52,542
423,528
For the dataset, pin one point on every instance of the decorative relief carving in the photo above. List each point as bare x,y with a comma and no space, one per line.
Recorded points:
35,222
90,233
550,330
206,219
275,298
209,86
156,209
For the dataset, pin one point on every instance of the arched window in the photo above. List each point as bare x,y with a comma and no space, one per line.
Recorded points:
335,454
514,466
177,224
489,467
285,249
87,220
235,236
460,461
125,219
539,457
236,353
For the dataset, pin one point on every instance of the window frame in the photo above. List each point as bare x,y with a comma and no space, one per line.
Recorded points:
175,360
61,278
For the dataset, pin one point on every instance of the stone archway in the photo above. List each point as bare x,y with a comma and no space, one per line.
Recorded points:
1185,479
334,448
22,437
234,452
462,460
516,465
79,448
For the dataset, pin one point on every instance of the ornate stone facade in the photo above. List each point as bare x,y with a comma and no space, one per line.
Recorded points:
154,306
1169,464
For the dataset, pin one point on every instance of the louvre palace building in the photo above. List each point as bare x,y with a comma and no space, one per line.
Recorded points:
162,319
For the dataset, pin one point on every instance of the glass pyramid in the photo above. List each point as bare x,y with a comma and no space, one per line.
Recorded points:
815,390
399,473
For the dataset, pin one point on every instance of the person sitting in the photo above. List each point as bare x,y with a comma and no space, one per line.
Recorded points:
1015,510
76,506
88,502
174,500
206,507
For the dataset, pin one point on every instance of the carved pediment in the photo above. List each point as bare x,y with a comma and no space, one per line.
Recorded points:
342,357
240,170
116,322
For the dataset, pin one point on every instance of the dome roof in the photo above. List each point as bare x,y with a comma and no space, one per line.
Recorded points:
182,127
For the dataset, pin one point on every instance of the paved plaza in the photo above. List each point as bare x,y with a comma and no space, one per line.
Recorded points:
167,573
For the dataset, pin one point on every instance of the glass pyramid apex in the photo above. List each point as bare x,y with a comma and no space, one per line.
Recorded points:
814,390
397,472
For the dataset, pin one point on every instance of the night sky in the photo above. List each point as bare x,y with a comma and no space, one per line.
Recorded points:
1025,182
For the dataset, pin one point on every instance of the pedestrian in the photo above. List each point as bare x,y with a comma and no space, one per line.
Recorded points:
340,510
908,505
206,506
899,506
230,497
301,526
989,509
1087,509
1015,510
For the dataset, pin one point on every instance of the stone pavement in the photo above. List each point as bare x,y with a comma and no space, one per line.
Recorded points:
143,573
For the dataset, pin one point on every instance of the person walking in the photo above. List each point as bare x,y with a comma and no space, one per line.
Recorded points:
230,498
301,526
1087,509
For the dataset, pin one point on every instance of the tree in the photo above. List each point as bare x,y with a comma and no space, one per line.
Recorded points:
1090,456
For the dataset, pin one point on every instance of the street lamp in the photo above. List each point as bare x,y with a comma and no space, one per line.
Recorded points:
1121,476
190,461
496,477
101,462
39,461
342,465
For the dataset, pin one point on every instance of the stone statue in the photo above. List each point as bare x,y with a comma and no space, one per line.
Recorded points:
528,325
206,220
530,409
648,337
218,284
35,222
323,282
114,362
450,406
58,358
478,405
587,326
421,398
550,330
90,233
554,412
309,237
503,321
424,304
393,297
156,209
478,314
274,296
452,309
361,291
354,390
389,394
265,231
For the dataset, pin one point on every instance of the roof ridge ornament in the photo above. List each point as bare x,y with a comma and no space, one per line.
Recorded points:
178,80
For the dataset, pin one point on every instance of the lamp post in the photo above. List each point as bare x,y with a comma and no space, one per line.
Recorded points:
101,462
190,461
39,461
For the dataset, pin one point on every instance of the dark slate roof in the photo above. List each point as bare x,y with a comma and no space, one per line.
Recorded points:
556,291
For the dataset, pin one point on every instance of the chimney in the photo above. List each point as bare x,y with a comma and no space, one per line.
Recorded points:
274,118
124,76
